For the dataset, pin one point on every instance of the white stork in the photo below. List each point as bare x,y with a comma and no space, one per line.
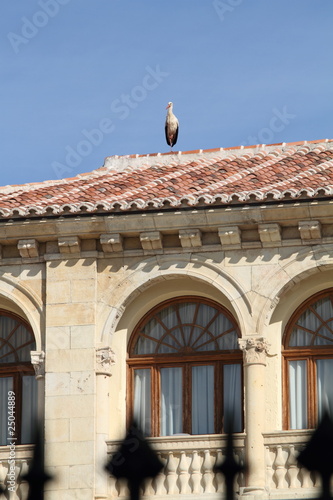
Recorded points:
171,126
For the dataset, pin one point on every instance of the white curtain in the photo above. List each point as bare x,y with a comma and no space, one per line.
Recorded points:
6,384
202,399
325,386
298,394
232,396
171,401
142,400
29,408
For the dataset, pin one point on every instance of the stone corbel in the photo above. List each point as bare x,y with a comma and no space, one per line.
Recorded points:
69,244
190,238
255,350
112,242
151,240
38,362
270,234
28,248
230,237
105,358
309,230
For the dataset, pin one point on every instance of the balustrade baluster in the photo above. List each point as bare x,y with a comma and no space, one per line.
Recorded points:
292,469
270,484
159,481
184,475
171,478
207,473
306,481
112,487
279,466
218,480
195,473
23,485
3,472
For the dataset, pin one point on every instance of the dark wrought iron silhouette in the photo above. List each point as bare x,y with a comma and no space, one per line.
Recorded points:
317,456
36,476
134,461
230,468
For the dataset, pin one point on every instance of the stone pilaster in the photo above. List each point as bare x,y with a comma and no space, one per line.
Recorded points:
70,385
255,351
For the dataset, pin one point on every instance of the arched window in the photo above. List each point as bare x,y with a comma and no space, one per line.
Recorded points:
17,380
186,369
308,362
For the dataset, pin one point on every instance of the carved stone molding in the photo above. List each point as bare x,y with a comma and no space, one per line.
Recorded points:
255,350
105,358
38,362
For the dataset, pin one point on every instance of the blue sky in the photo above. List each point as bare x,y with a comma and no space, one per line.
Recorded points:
83,79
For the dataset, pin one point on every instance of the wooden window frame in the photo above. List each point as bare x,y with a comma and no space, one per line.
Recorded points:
308,353
17,370
157,361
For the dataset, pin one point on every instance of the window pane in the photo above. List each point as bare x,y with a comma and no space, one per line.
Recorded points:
6,384
202,399
325,386
171,401
142,400
17,341
232,399
189,327
298,394
29,408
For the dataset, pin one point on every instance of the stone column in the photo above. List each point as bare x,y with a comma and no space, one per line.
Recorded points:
105,358
255,351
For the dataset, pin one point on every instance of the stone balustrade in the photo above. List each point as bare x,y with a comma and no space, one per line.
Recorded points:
188,466
283,474
19,458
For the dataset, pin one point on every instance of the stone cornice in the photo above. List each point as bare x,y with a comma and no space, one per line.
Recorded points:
216,229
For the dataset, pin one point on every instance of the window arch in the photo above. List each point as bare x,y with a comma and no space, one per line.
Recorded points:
17,377
185,369
308,362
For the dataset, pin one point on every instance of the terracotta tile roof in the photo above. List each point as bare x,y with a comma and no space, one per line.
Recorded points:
195,178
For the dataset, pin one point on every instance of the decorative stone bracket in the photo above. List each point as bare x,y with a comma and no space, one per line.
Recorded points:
112,242
38,362
105,358
190,238
28,248
255,350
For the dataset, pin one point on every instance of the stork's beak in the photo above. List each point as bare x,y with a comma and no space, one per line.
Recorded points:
168,106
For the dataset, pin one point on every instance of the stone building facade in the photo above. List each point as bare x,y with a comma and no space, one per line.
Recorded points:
176,288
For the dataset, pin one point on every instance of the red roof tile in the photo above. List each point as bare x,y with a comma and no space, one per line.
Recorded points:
212,177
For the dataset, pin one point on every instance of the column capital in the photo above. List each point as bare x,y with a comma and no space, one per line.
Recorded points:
38,362
105,358
255,350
